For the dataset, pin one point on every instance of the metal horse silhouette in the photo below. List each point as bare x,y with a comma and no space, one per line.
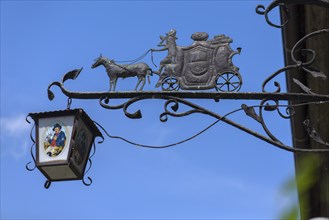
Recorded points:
115,71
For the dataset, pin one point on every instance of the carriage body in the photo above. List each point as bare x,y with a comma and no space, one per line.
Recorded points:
206,64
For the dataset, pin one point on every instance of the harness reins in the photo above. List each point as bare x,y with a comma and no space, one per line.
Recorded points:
138,58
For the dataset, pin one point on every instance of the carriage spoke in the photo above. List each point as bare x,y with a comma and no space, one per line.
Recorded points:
231,77
222,85
228,81
227,77
223,78
170,84
234,86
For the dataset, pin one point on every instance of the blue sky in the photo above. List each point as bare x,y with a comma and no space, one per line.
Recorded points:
222,174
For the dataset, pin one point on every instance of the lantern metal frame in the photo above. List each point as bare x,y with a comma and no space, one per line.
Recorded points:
79,118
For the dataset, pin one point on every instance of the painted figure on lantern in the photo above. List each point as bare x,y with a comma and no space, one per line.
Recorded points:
55,140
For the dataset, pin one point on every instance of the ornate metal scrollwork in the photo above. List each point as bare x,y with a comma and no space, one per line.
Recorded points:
171,107
31,148
196,64
262,10
90,165
47,182
304,66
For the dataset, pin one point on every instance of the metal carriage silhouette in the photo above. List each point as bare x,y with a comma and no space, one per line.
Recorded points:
206,64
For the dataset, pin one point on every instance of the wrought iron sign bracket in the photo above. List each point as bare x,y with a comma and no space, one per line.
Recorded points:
204,65
185,74
269,101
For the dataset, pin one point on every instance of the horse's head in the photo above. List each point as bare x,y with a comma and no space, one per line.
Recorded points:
98,61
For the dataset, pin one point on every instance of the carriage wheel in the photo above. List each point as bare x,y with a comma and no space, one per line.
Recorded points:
228,82
170,83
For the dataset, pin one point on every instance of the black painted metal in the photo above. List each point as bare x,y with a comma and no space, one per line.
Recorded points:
207,64
262,10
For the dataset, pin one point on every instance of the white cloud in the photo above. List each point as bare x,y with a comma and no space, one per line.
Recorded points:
15,136
14,126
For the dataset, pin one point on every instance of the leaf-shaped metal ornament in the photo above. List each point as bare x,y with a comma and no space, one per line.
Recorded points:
72,74
51,95
250,111
303,87
315,73
269,107
135,115
313,133
278,86
175,107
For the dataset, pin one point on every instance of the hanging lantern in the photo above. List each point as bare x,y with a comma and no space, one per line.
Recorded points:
63,143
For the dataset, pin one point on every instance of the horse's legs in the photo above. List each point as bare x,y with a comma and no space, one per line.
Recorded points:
115,83
111,82
138,82
143,79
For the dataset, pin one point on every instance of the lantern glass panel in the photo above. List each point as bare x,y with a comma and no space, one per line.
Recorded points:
83,138
54,138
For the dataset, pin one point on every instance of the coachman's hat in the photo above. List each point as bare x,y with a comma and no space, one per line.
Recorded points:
57,126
